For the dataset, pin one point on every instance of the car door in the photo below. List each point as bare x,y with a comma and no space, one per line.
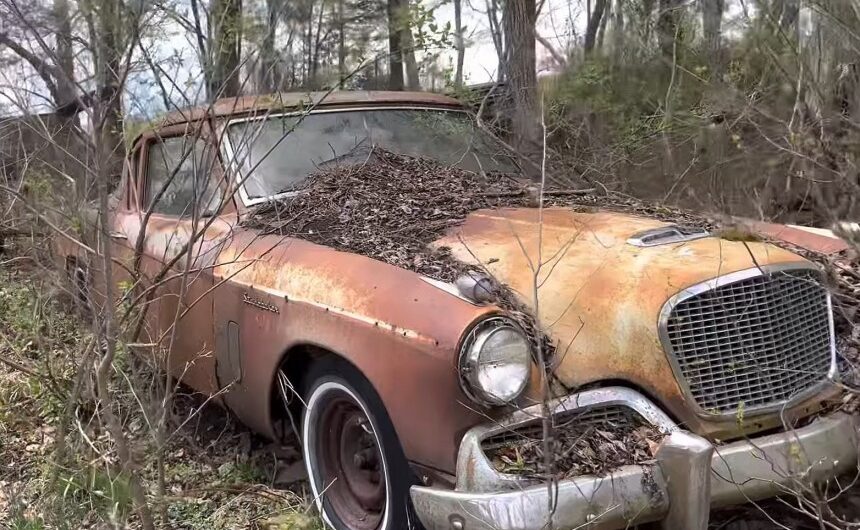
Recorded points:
176,222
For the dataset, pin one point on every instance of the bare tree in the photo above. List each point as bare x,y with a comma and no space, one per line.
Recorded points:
459,45
395,45
270,74
341,42
787,12
594,23
225,23
712,18
519,25
407,47
111,49
667,27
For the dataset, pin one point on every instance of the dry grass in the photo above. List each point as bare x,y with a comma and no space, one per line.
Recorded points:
219,474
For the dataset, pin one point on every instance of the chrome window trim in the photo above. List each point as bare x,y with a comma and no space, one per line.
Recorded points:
719,281
232,165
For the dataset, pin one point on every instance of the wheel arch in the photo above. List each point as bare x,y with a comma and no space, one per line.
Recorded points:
295,362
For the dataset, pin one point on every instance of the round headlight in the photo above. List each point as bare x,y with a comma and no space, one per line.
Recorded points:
495,363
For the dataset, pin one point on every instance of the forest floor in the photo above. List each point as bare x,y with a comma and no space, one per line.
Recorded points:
218,474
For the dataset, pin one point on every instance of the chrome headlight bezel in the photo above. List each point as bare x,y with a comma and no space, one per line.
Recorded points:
472,349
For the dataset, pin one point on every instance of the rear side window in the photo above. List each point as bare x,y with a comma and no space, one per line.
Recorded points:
178,177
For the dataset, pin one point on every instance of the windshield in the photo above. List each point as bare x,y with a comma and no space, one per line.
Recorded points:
277,154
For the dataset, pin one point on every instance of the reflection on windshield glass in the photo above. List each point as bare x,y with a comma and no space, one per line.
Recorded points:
279,153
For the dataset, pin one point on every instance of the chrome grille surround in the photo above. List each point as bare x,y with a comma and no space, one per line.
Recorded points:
751,341
482,476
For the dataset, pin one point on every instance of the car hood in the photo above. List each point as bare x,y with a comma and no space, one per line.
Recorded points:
599,297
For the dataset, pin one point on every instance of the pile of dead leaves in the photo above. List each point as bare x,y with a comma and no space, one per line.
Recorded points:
580,448
391,207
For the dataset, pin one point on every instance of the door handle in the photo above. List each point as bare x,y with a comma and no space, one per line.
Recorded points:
117,235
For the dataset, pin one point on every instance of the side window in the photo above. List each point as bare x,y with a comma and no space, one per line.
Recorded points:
180,169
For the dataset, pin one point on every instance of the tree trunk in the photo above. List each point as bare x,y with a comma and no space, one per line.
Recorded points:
65,53
646,10
458,42
225,22
269,76
712,18
108,136
618,30
109,80
786,13
341,45
667,28
395,50
593,26
309,47
832,100
69,147
784,16
519,23
408,47
601,33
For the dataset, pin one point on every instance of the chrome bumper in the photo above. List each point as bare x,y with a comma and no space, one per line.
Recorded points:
689,477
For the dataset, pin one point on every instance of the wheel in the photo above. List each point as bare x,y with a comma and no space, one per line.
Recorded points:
359,476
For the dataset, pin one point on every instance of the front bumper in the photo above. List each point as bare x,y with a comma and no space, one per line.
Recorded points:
690,476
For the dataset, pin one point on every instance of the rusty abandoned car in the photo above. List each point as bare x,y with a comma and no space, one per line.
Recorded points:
402,387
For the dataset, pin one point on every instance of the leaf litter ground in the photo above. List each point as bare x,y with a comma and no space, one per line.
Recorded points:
391,207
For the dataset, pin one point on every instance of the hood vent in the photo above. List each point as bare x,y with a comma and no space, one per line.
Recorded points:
667,234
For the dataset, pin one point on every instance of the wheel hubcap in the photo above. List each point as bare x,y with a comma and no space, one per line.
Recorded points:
350,465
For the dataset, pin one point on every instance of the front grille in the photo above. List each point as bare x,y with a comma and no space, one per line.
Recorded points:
753,343
605,417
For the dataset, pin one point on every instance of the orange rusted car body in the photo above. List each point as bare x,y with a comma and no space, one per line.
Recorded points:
254,303
600,298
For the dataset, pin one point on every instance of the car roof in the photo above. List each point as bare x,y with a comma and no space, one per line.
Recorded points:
243,105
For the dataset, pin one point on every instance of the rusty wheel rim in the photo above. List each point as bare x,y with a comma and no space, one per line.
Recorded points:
349,464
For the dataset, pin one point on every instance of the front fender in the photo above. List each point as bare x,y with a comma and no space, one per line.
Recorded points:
399,331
